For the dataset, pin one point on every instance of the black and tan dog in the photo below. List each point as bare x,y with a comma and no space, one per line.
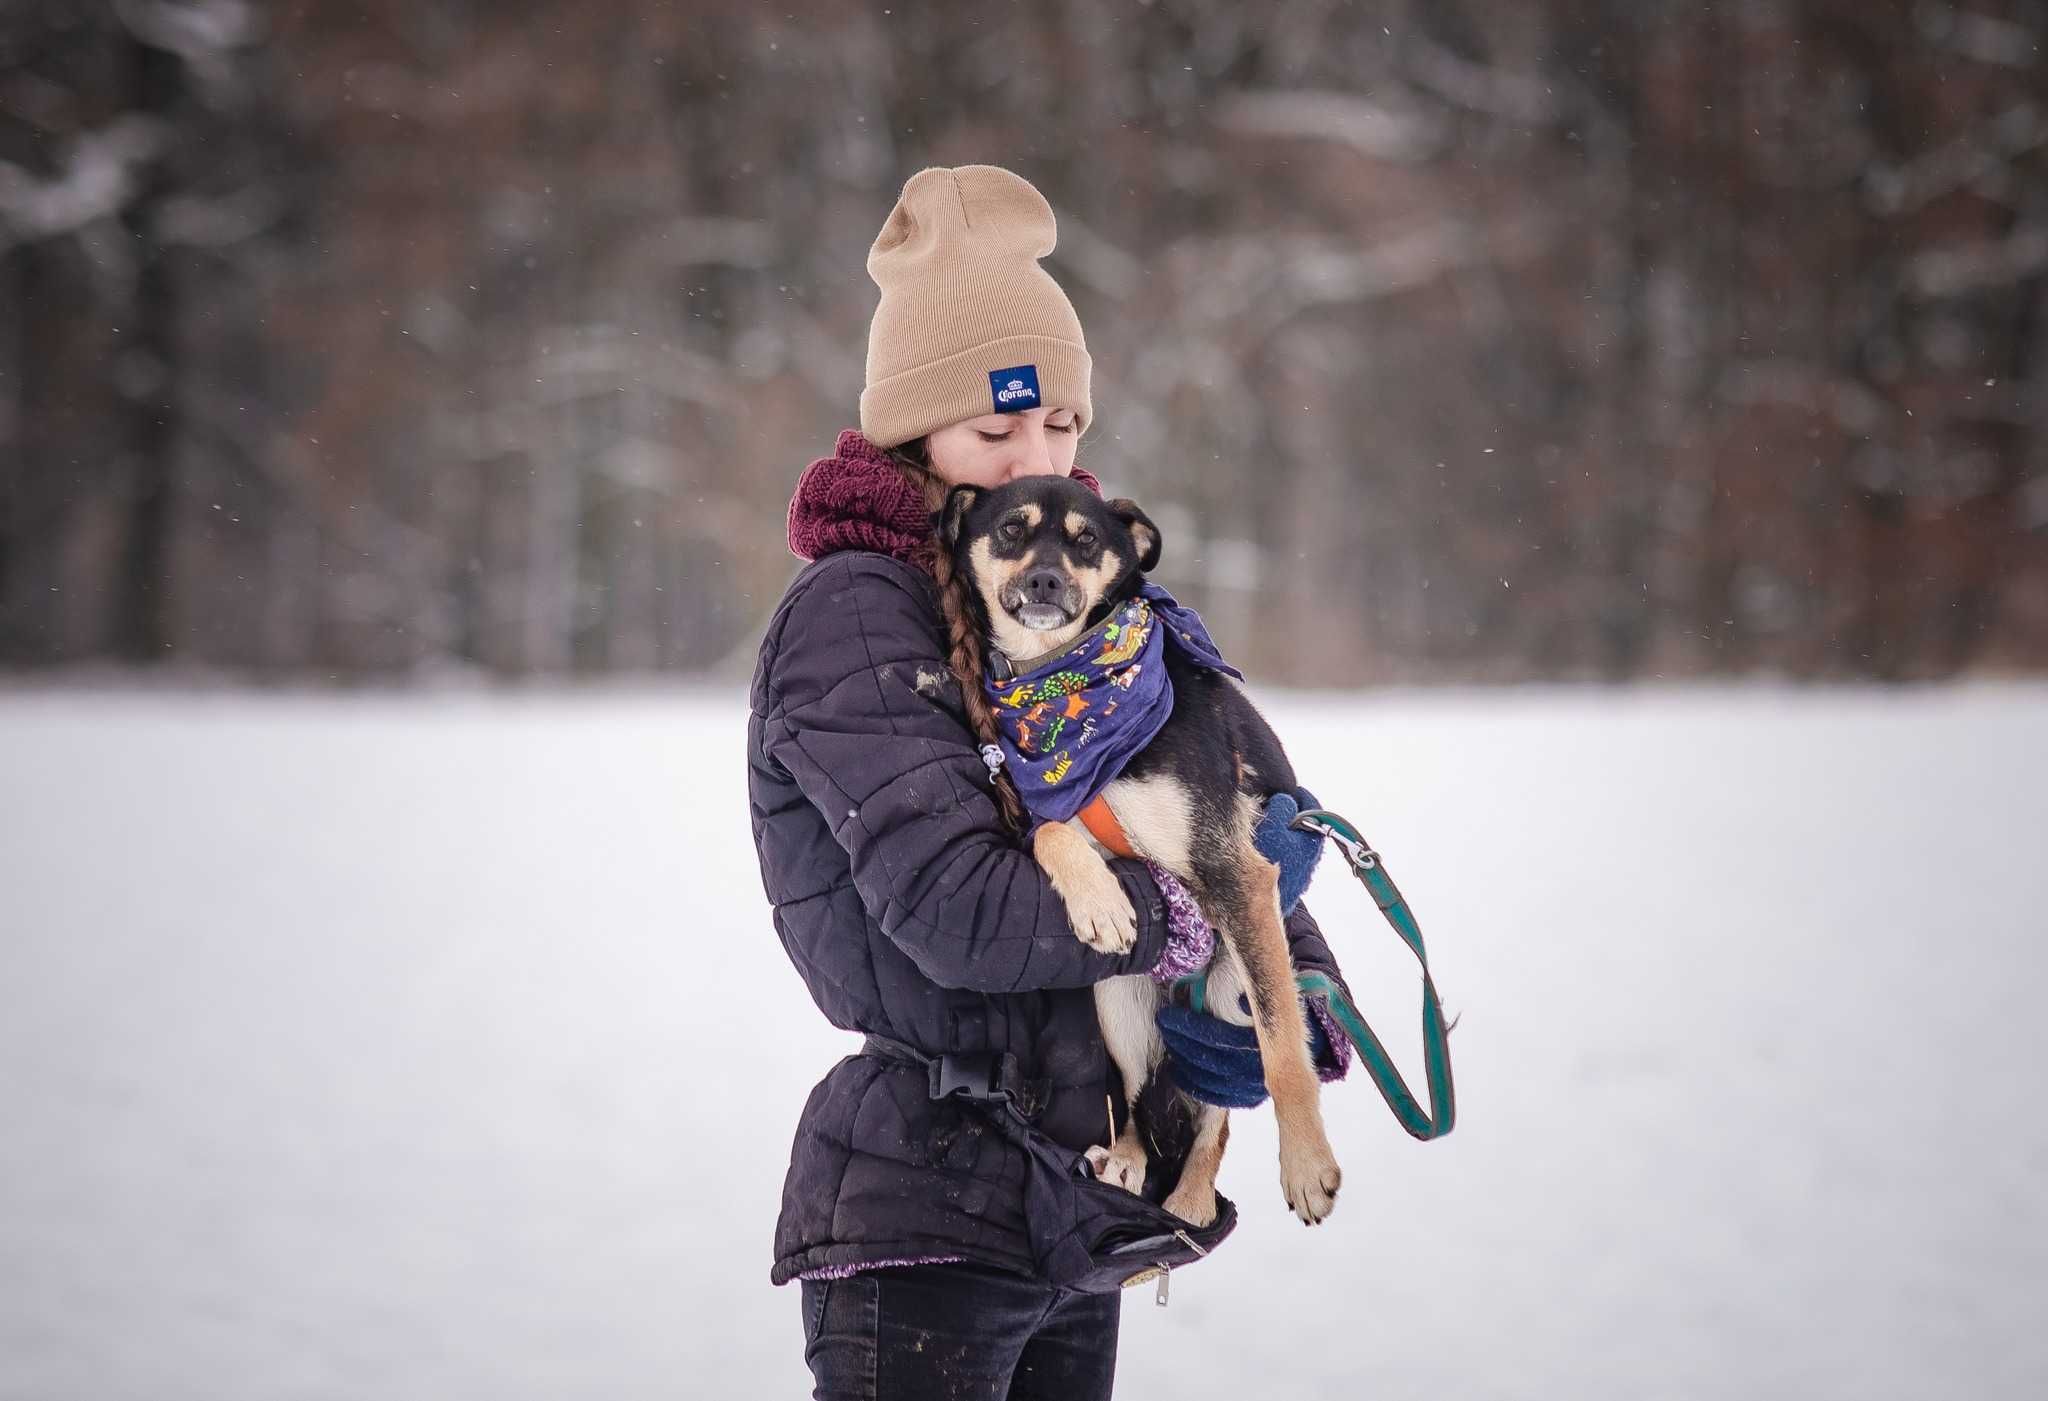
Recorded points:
1043,560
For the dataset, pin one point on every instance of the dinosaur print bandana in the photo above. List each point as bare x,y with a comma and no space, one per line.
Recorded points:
1069,725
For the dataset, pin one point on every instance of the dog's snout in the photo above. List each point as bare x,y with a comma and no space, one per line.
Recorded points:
1043,586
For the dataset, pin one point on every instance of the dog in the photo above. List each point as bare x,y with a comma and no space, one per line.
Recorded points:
1045,561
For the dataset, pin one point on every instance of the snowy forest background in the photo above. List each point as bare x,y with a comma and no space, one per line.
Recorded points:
1480,339
372,1029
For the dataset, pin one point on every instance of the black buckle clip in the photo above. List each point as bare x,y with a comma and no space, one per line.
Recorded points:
976,1075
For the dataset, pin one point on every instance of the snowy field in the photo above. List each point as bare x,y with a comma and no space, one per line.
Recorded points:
440,1049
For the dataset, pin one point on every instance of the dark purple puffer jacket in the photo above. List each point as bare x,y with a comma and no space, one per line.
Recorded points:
911,912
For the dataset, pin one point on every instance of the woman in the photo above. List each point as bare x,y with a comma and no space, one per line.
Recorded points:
901,890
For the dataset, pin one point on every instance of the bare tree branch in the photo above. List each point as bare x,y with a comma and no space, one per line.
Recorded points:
97,182
1371,128
1970,267
1892,190
1858,409
1518,97
1985,38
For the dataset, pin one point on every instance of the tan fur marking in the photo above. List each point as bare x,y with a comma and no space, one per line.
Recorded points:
1144,537
1193,1198
1094,579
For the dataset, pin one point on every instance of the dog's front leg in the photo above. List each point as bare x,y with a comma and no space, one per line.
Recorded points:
1255,938
1097,907
1126,1008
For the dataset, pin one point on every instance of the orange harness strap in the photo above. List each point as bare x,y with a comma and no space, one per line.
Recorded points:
1103,826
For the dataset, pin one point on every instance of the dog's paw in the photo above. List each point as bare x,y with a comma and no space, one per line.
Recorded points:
1194,1205
1098,910
1121,1165
1309,1177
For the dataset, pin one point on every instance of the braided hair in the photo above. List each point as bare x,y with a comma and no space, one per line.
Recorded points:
963,636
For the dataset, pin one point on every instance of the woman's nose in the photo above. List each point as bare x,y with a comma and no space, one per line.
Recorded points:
1034,455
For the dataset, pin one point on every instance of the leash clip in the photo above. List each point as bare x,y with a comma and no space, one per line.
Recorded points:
1325,823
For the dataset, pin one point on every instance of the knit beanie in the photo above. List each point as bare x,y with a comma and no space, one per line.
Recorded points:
969,323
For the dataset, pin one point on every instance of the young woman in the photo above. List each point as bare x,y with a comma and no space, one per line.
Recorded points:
901,890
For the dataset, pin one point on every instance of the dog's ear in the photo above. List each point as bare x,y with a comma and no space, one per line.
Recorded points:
959,501
1144,534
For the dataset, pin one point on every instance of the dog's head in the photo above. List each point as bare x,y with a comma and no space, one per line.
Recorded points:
1044,558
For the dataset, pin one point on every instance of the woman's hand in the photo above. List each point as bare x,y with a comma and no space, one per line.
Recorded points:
1219,1063
1295,853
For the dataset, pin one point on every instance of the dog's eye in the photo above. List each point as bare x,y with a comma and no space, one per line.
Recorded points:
1010,532
1086,540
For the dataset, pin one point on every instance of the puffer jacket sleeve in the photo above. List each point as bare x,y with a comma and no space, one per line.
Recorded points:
854,695
1309,949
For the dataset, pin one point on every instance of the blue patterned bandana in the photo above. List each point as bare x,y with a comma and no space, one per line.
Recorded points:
1070,724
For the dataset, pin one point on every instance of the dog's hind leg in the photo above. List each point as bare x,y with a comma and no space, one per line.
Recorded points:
1229,994
1254,935
1126,1007
1193,1198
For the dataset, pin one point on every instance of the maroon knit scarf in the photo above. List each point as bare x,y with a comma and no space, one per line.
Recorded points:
858,499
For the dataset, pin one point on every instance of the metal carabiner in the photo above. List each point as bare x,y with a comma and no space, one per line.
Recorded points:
1325,823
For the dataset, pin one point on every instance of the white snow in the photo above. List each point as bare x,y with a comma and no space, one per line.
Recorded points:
442,1049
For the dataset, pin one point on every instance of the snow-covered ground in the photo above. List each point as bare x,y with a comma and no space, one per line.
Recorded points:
440,1048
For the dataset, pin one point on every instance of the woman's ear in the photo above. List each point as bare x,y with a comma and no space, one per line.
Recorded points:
1144,534
959,501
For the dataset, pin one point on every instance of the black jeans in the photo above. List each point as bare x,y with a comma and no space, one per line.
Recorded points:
957,1331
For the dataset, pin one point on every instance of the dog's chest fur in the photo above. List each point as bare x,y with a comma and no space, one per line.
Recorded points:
1195,792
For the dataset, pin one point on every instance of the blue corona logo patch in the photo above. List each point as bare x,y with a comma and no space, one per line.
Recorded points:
1014,389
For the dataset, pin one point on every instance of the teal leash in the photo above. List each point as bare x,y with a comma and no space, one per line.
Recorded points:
1365,863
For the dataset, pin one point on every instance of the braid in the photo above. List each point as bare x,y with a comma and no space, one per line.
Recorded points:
963,638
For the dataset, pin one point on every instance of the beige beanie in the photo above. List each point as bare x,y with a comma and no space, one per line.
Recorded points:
969,323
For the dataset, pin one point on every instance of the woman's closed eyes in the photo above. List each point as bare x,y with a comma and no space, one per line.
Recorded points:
988,437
